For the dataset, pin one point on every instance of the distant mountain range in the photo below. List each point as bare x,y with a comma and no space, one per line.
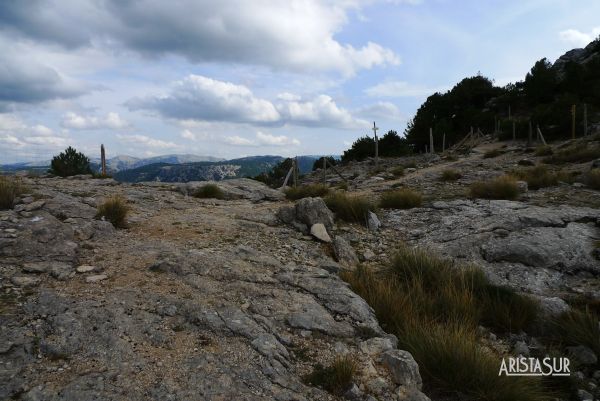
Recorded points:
176,168
208,171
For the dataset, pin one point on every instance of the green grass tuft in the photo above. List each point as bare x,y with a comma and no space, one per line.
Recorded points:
209,191
577,327
504,187
115,210
353,209
335,378
404,198
450,175
306,191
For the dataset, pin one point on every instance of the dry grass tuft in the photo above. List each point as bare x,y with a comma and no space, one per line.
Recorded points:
434,308
335,378
353,209
398,171
404,198
493,153
544,150
115,210
574,154
450,175
10,188
504,187
539,177
306,191
592,178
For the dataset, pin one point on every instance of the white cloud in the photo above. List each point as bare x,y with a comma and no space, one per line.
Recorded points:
262,139
36,139
187,134
200,98
385,110
296,35
402,89
575,37
146,141
80,122
273,140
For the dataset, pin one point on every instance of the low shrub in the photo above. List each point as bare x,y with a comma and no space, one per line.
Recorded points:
306,191
10,188
209,191
450,175
404,198
335,378
353,209
574,154
592,178
398,171
538,177
543,150
115,210
504,187
493,153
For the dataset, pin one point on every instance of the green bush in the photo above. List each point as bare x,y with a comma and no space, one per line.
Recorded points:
115,210
10,188
574,154
404,198
306,191
450,175
353,209
209,191
70,162
504,187
335,378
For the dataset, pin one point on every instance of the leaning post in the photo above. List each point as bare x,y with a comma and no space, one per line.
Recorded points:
375,128
431,148
103,160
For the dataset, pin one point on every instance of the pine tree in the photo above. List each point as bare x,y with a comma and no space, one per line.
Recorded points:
70,162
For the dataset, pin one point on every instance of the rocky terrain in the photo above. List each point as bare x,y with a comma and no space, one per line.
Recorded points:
234,299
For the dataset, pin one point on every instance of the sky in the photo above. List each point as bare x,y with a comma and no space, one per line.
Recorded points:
234,78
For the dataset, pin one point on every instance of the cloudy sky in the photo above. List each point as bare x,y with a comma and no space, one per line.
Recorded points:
232,78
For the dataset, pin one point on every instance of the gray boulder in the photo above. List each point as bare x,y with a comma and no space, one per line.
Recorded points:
582,355
403,368
344,253
373,222
312,211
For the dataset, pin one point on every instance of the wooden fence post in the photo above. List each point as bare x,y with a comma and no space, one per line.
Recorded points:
573,114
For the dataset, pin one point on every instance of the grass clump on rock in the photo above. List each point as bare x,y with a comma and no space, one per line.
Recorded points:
10,188
543,150
353,209
115,210
306,191
493,153
574,154
450,175
538,177
335,378
211,191
435,308
403,198
398,171
577,327
592,178
503,187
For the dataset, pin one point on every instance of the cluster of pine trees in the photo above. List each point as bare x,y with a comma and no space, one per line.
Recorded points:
545,98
